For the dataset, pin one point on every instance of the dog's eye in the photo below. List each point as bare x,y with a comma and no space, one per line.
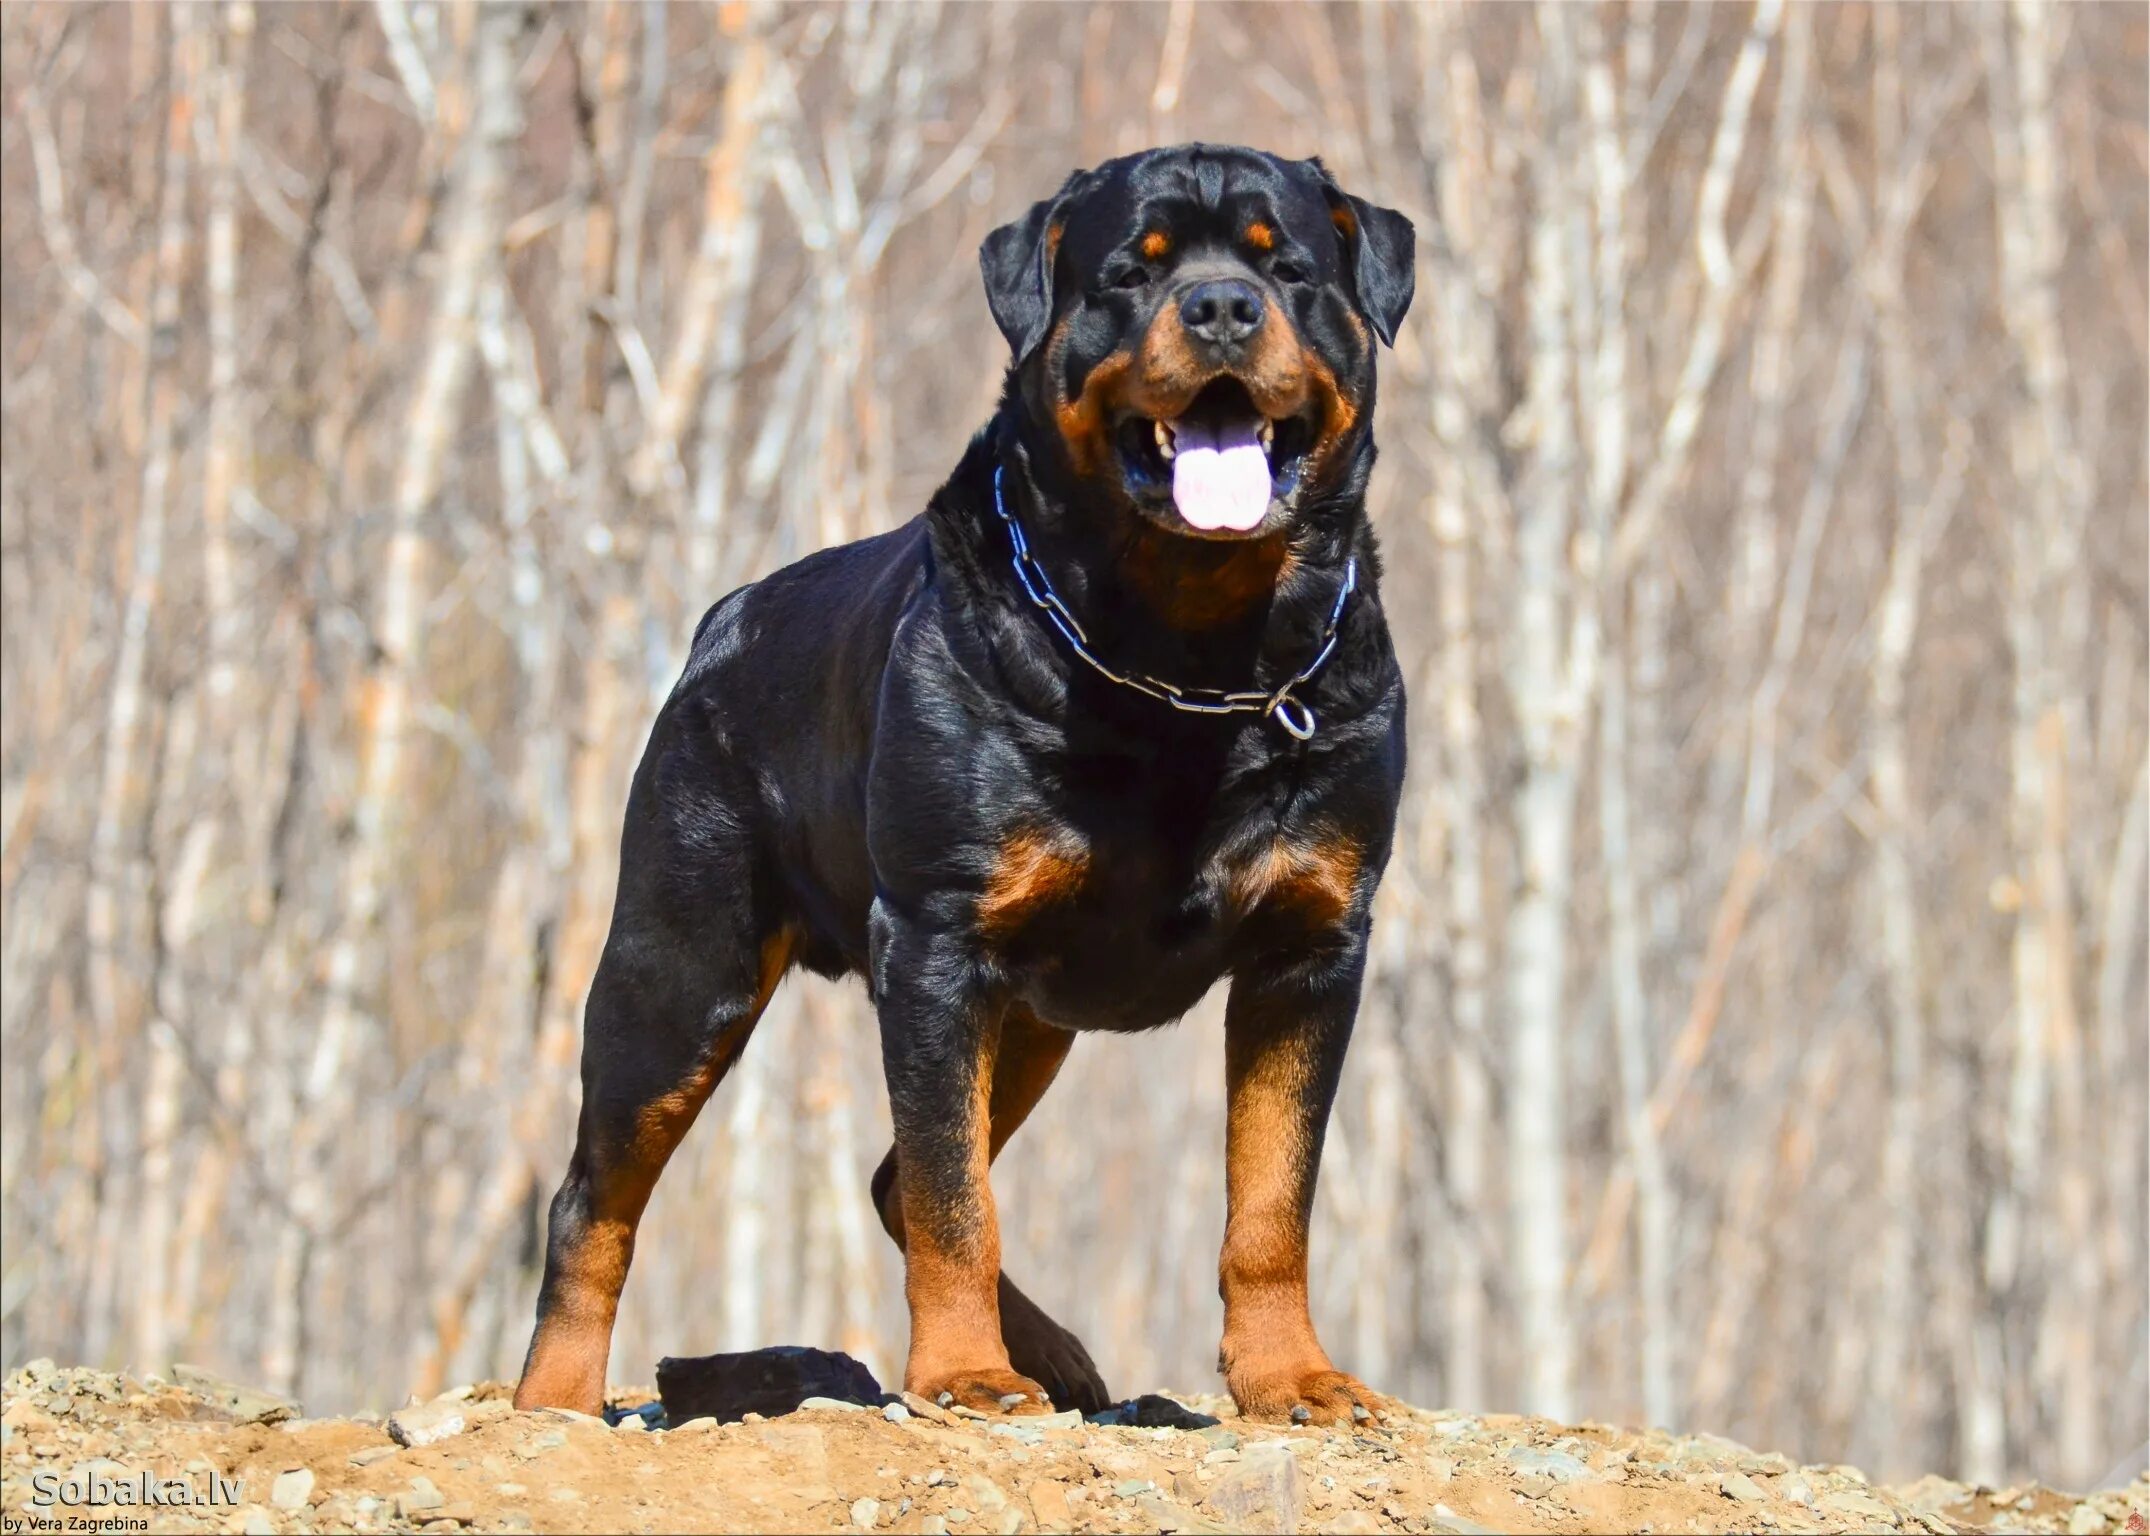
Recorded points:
1289,272
1129,277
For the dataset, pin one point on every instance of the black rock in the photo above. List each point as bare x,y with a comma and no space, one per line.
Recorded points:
765,1381
1152,1410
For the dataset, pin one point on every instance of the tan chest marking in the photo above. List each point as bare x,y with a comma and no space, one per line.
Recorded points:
1033,870
1317,879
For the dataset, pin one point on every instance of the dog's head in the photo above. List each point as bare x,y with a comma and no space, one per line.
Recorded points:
1193,331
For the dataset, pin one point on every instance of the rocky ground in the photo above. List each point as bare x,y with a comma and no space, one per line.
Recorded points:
466,1461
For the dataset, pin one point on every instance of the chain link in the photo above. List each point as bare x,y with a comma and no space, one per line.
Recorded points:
1293,714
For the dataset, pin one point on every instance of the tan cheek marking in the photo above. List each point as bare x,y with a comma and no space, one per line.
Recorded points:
1340,413
1033,870
1276,375
1156,244
1261,236
1084,420
1170,373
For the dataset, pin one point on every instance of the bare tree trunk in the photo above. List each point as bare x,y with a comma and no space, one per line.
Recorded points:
226,449
1921,509
473,232
712,336
1630,1009
1551,726
2044,543
118,875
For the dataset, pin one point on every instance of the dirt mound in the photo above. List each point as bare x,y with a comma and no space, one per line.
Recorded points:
472,1463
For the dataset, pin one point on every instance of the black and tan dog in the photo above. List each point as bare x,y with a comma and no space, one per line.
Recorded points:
1117,717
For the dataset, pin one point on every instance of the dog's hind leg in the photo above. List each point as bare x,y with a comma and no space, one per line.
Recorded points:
687,969
1029,1058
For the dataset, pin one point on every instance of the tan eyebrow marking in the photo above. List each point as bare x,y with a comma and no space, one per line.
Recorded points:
1155,244
1261,236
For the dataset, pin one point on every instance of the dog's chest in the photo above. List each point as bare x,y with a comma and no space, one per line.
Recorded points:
1125,933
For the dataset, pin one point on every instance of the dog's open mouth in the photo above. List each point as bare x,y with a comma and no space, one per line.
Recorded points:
1220,462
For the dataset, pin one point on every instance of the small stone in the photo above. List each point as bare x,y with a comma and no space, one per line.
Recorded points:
895,1413
927,1409
538,1444
1130,1487
833,1404
256,1521
864,1512
1049,1503
1557,1465
428,1423
1223,1439
1260,1495
1449,1523
1301,1414
633,1424
374,1453
290,1490
1859,1506
695,1426
933,1525
2086,1520
1797,1489
241,1405
1738,1485
1354,1522
461,1512
419,1497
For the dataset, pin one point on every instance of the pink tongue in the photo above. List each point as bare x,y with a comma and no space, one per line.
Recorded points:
1220,476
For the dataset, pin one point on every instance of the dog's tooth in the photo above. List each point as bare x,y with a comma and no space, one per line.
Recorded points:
1165,445
1268,433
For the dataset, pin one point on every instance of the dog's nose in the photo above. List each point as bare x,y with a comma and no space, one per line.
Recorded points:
1223,312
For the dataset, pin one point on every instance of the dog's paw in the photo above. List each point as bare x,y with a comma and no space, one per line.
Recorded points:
989,1392
1040,1347
1320,1395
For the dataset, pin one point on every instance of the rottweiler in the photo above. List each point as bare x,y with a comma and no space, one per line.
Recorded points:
1116,717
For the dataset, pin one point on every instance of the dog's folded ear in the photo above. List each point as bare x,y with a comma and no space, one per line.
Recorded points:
1017,261
1379,247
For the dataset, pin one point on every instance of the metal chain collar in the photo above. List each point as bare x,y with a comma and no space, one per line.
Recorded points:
1292,713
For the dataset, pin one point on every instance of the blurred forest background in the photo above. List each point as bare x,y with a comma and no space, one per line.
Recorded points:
1757,1039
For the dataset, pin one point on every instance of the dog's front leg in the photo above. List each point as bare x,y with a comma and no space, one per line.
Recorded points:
1286,1029
940,1031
